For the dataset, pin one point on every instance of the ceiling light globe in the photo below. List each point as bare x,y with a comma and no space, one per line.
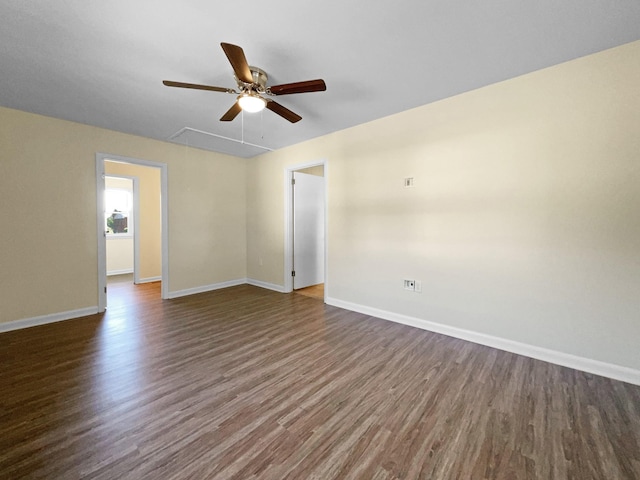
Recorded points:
251,103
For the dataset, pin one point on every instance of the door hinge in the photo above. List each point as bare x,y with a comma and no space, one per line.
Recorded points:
293,181
105,289
293,273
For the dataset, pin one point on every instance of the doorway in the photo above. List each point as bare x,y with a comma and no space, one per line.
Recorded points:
305,235
147,222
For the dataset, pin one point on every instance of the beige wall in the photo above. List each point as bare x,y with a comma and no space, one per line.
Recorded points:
317,170
48,257
119,255
150,233
524,221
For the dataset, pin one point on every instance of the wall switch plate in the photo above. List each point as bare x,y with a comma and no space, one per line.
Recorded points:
409,285
408,182
418,286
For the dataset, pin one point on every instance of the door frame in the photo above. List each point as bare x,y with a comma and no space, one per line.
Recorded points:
101,237
288,223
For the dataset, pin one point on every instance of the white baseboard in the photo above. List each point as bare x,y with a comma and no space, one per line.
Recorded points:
44,319
119,272
269,286
596,367
150,279
206,288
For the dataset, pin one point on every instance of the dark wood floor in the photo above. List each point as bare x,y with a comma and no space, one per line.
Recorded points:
247,383
314,291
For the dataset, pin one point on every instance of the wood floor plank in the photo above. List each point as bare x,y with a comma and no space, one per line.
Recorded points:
245,383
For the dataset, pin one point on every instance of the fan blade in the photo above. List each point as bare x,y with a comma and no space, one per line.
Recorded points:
231,113
195,86
299,87
238,61
283,111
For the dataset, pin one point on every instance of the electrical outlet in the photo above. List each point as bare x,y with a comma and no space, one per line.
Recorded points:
409,285
408,182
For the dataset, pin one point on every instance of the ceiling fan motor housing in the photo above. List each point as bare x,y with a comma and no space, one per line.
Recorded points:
259,81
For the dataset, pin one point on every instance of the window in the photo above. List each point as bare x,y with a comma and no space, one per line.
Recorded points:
118,211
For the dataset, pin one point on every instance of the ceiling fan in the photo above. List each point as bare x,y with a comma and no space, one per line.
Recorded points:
252,88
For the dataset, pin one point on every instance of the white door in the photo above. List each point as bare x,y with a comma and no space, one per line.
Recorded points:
308,230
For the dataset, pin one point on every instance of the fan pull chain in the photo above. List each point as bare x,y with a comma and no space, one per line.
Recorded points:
261,125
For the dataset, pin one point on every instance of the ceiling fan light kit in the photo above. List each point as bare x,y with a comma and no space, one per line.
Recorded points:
251,102
252,85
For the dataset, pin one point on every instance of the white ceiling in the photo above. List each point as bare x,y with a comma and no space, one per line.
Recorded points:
102,63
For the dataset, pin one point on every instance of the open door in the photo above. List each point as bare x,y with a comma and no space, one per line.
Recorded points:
308,230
